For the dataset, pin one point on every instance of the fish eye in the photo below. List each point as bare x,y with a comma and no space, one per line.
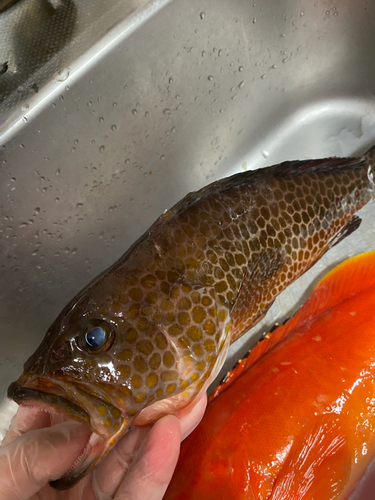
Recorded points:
95,338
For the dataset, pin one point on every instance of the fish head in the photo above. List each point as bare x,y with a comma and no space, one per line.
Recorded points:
111,361
76,371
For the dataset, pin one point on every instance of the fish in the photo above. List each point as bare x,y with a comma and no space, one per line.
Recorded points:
148,336
295,419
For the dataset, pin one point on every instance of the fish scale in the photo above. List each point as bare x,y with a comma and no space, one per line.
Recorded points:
205,272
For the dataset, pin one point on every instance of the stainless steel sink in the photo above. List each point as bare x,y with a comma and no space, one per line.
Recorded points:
144,102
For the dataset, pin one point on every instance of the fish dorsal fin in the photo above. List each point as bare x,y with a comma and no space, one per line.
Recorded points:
265,344
349,278
318,464
263,270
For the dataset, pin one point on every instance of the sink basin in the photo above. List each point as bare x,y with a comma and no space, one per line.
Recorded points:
151,100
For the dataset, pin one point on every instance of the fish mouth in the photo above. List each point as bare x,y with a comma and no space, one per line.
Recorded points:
25,395
55,398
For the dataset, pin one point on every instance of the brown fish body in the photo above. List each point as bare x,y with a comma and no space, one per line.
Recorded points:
205,272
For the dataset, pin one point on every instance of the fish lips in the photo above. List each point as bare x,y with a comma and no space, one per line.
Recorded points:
52,397
25,395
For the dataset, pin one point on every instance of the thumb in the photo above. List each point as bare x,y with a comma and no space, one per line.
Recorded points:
39,456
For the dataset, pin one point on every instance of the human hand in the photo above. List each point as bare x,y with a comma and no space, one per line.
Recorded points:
139,467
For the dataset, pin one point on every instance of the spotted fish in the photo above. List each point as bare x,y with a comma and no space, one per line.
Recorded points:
151,332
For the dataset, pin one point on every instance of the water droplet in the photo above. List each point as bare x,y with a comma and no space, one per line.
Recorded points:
220,52
35,252
241,84
101,119
202,15
99,99
62,75
203,53
114,128
240,69
76,141
167,112
89,104
265,154
36,210
101,149
24,118
162,157
134,111
254,20
57,200
263,77
114,104
13,179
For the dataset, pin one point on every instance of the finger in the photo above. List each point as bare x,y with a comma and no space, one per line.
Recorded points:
12,432
112,471
108,475
191,415
26,419
39,456
152,470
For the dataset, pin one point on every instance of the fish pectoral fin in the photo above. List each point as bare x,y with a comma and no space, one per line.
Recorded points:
264,268
351,277
318,464
346,230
